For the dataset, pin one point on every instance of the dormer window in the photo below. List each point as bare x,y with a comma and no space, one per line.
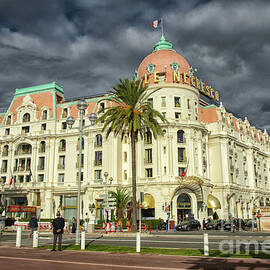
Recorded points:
26,117
8,120
102,107
65,113
44,115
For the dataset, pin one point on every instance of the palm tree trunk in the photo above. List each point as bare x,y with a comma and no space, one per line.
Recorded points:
133,168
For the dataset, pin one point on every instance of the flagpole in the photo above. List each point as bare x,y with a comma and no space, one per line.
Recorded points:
162,31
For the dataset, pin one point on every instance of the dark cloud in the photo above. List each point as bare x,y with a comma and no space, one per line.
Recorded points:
86,46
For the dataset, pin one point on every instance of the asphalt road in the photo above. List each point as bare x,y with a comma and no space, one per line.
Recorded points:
217,240
26,258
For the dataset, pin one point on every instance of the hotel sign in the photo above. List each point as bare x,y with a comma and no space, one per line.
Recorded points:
19,208
185,78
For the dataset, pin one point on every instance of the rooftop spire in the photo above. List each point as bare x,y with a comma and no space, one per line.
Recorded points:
163,44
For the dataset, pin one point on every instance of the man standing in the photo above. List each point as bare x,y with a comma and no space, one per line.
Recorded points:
33,224
58,229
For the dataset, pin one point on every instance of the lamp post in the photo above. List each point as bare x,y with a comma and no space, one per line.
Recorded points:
82,106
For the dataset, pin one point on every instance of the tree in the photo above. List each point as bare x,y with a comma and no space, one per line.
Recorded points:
121,198
132,115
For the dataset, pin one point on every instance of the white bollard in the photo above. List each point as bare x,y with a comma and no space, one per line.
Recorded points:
19,236
83,240
35,239
205,244
138,242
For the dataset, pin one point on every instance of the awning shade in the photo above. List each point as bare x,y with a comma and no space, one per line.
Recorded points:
213,202
148,202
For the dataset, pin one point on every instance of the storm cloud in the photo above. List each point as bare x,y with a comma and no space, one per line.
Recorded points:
86,46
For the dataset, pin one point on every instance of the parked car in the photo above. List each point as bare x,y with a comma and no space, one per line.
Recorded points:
237,223
215,224
188,225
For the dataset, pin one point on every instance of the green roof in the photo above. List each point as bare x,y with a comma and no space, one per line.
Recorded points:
39,88
163,44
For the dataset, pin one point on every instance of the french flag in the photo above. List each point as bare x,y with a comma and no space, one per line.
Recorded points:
156,23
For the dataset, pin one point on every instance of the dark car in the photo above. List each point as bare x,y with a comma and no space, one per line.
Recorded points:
236,223
215,224
188,225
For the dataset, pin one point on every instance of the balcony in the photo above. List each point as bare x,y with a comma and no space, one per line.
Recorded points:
182,159
97,162
40,167
23,152
183,140
5,153
3,170
97,144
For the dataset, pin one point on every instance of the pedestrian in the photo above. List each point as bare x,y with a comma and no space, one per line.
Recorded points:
128,225
74,225
33,224
58,229
203,224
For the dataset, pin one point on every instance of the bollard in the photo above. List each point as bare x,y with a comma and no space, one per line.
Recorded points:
138,242
222,225
83,240
19,236
35,239
156,228
205,244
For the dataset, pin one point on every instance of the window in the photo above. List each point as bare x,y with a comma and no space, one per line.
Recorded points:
20,178
5,151
62,146
163,101
149,172
41,178
78,144
7,131
98,158
148,137
25,130
181,154
148,155
125,156
188,104
43,126
181,170
98,174
64,125
8,120
3,179
61,164
64,113
4,166
150,100
41,163
180,136
61,177
81,176
164,114
98,141
125,174
44,115
177,102
177,115
42,147
82,161
165,170
102,107
26,117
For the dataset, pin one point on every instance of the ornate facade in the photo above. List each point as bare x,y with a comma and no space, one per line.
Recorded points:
207,160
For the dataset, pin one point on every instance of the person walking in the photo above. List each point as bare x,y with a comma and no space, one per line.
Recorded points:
120,224
203,224
74,225
58,229
33,224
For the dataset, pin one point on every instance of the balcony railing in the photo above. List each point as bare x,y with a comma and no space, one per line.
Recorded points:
97,162
21,152
61,166
3,170
61,149
40,168
5,153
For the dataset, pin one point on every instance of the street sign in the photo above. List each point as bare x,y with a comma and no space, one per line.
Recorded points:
140,205
259,215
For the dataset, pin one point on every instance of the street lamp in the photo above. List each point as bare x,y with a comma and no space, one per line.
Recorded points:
82,106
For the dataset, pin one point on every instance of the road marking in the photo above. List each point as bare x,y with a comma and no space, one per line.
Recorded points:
86,263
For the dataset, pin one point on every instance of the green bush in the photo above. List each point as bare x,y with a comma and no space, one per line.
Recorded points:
152,223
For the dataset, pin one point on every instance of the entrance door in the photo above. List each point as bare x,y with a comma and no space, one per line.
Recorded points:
184,211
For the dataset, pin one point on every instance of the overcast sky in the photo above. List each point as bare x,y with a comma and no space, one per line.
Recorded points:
88,45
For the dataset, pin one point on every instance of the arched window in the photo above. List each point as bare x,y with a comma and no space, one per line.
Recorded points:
8,120
148,137
98,141
148,206
42,147
26,117
44,115
62,145
5,150
267,202
180,136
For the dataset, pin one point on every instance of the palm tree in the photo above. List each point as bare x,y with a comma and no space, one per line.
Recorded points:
121,198
132,114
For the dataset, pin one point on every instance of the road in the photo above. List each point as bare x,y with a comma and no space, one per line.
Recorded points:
217,240
26,258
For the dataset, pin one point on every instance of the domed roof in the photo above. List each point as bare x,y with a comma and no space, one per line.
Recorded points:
163,60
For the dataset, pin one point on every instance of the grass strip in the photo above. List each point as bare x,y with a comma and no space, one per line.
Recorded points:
163,251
